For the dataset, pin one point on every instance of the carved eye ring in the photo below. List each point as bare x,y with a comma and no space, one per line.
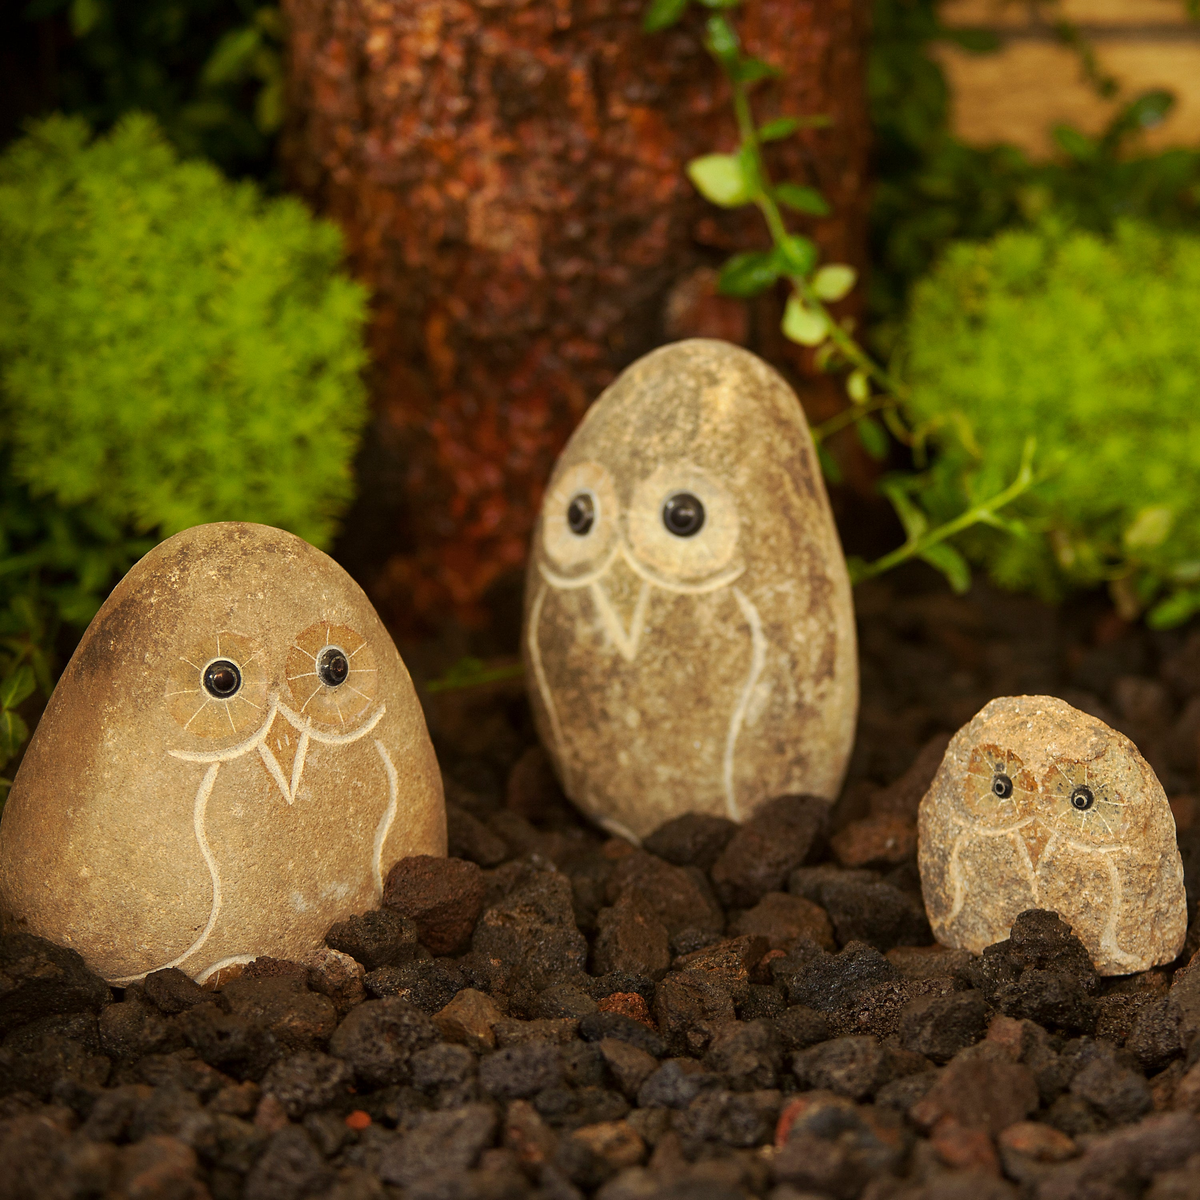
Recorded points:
333,666
1082,798
1002,786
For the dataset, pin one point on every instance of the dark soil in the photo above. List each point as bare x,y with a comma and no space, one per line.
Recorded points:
723,1013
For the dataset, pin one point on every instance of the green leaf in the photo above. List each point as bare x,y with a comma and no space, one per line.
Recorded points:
662,14
804,325
1149,528
231,59
858,386
1078,145
781,127
721,40
798,254
802,199
915,522
721,179
873,436
749,274
829,467
946,559
17,687
85,16
1174,610
13,732
751,70
834,281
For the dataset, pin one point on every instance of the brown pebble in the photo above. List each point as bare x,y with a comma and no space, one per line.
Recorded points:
443,897
767,848
628,1004
979,1091
631,938
784,919
556,1030
270,1116
1042,1143
876,841
468,1020
965,1148
617,1143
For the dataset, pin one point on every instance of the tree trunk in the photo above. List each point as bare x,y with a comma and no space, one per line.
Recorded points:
510,178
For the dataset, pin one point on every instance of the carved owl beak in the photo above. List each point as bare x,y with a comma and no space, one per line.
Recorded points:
1035,835
622,598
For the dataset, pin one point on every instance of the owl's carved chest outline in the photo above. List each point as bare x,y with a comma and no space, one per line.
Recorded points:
288,786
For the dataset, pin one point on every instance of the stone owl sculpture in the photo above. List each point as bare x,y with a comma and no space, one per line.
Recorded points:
232,761
1039,805
689,630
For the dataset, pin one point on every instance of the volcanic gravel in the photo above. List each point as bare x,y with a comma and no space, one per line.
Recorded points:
725,1012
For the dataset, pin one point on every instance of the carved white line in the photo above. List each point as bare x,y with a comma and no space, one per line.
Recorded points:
539,674
626,643
958,884
233,960
385,822
758,658
198,812
304,724
274,770
298,761
572,582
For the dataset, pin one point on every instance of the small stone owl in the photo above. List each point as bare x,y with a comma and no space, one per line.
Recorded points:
689,631
231,762
1038,805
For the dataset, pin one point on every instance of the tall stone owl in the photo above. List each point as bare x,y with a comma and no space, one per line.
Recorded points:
1039,805
689,631
232,761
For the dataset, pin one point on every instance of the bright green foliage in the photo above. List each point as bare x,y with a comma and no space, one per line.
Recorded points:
173,350
1091,346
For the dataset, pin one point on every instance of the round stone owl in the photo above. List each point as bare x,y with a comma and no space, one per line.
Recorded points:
231,762
689,630
1038,805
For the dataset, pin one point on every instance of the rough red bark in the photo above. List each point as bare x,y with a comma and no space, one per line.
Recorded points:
509,174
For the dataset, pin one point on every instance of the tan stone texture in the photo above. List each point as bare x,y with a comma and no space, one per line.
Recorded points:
1039,805
702,673
153,824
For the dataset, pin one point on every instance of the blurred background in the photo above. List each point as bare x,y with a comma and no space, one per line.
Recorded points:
357,269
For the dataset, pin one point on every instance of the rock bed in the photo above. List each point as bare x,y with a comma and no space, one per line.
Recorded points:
726,1012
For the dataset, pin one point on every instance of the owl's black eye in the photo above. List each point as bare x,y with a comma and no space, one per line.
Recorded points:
683,514
1002,786
1082,798
581,514
332,666
222,679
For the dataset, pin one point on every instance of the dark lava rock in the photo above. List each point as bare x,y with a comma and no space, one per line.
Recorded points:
764,851
437,1143
519,1072
291,1167
38,978
801,1027
748,1054
171,991
692,840
679,896
1041,972
529,940
875,913
940,1026
1119,1093
443,897
230,1042
615,982
688,1007
598,1026
469,838
784,920
379,1038
134,1028
447,1073
828,982
740,1119
980,1091
307,1081
631,938
674,1085
380,938
854,1067
295,1017
429,985
1156,1037
629,1065
561,1000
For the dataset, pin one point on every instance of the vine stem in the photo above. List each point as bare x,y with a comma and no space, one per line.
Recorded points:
984,511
